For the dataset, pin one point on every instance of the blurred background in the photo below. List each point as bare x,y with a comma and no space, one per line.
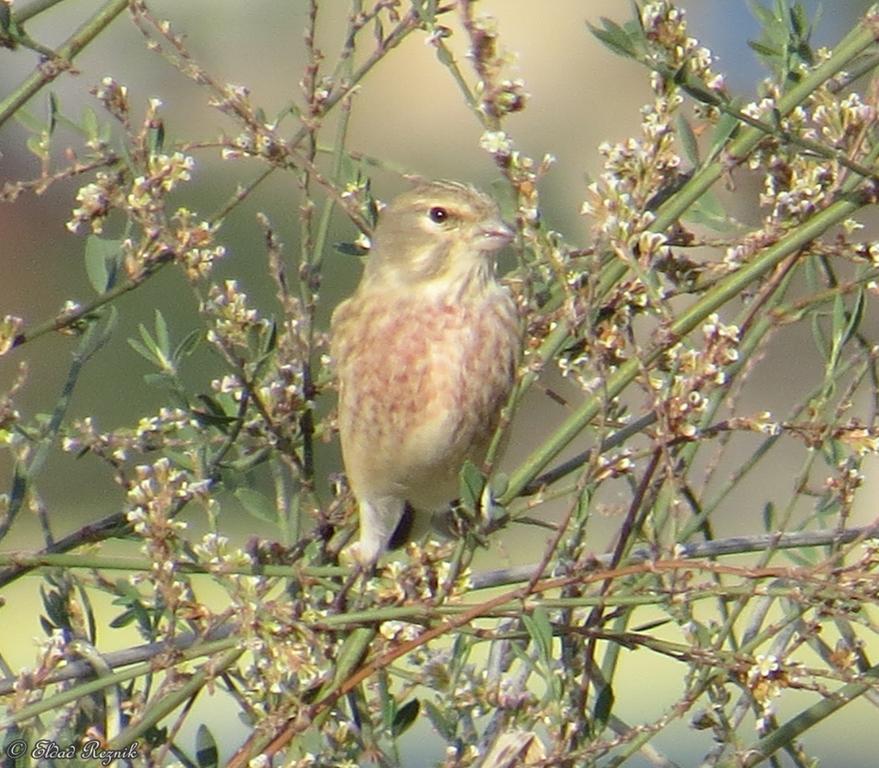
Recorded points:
408,112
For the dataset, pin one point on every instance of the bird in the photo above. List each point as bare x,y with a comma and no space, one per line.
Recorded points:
425,352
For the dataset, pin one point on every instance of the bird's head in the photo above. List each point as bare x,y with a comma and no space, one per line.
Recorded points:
441,233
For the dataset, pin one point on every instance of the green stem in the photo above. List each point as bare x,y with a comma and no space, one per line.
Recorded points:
859,39
160,709
68,319
77,692
34,9
689,319
804,721
43,75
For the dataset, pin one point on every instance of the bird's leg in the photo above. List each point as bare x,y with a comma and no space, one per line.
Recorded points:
379,519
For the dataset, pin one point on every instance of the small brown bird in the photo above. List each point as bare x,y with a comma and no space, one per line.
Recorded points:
426,351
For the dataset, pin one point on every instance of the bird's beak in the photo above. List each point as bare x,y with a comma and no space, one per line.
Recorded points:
494,235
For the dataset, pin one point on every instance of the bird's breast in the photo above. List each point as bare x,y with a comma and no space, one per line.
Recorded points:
422,383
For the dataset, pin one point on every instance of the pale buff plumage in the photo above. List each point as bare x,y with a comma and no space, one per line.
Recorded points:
425,350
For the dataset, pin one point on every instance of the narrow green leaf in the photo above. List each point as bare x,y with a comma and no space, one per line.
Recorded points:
150,344
799,21
156,139
725,128
142,350
29,121
89,612
540,630
98,334
123,619
855,317
426,10
763,49
688,139
708,212
269,339
90,123
38,146
446,724
102,260
769,517
163,338
763,14
352,653
839,324
604,702
206,753
187,346
820,339
214,406
160,380
614,37
350,249
444,55
96,263
257,504
471,483
406,715
53,112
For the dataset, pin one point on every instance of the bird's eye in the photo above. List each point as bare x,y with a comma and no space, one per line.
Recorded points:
438,214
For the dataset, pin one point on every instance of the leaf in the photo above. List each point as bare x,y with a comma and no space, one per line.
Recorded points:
708,212
187,346
351,655
141,350
102,259
426,10
206,753
90,123
406,715
446,723
819,337
763,49
688,139
444,55
38,146
149,344
540,630
53,113
769,516
156,139
56,608
257,504
604,701
98,334
269,340
799,21
129,597
471,483
30,122
163,339
614,37
89,614
350,249
855,317
763,14
723,131
214,406
123,619
160,380
838,327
